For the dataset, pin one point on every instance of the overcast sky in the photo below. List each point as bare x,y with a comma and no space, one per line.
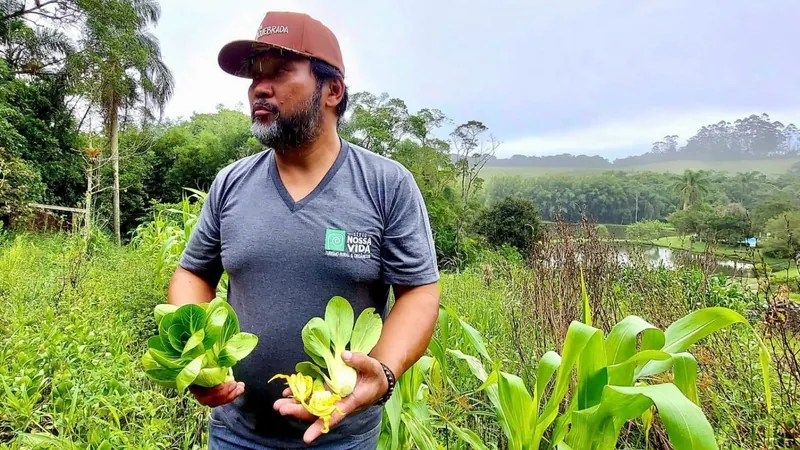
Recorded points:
583,76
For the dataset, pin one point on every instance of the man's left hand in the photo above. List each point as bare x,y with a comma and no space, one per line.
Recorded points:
371,385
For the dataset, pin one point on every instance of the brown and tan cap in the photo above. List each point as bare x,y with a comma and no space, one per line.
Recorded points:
294,32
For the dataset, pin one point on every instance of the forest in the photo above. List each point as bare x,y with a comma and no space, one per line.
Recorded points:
550,327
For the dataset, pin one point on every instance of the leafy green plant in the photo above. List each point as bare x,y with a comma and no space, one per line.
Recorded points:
612,385
326,339
196,345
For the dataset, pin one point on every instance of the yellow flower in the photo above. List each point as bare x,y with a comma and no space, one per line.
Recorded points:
300,385
323,404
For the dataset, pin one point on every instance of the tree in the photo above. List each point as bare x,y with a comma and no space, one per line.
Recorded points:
647,230
769,209
472,153
784,235
376,123
123,71
691,186
511,221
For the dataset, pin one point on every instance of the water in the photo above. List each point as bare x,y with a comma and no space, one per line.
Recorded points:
662,256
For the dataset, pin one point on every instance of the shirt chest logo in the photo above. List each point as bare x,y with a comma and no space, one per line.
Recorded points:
347,244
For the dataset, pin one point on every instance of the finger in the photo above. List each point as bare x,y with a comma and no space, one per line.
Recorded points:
287,392
315,430
290,407
361,362
210,391
220,395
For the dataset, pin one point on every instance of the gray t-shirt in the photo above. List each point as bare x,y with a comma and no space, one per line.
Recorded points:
362,229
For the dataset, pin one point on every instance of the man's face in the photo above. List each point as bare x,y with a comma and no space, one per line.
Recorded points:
285,102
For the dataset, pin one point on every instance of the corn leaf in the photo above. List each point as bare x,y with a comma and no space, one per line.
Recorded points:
684,368
587,309
598,427
620,346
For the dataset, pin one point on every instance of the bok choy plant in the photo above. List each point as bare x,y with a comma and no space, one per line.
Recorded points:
196,345
324,340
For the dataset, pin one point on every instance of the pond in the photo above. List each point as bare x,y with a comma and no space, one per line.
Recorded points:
656,256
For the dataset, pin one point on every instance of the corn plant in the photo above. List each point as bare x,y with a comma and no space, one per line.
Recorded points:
613,375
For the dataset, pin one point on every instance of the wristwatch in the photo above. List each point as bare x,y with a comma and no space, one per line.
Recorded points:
392,381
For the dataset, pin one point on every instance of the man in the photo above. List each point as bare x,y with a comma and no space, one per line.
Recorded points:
311,217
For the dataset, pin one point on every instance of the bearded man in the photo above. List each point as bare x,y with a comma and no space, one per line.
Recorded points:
279,223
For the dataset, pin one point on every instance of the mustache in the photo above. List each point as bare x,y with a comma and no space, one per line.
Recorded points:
266,105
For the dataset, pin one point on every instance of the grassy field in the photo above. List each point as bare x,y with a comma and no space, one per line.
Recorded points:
76,320
767,166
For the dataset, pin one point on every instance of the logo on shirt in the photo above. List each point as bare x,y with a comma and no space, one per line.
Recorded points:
353,245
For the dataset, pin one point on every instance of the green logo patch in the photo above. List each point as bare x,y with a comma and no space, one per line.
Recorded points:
335,240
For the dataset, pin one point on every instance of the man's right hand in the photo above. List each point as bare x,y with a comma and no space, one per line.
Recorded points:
218,395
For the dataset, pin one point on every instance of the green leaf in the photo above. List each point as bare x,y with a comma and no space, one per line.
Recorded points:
548,365
517,406
468,436
366,332
194,345
164,377
167,361
163,332
684,367
598,427
162,310
191,318
156,343
317,341
148,363
237,348
621,374
231,326
178,336
187,376
393,410
579,337
339,318
312,370
212,376
214,327
475,339
587,310
684,332
620,346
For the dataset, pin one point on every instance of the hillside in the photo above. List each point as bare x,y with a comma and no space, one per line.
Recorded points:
772,166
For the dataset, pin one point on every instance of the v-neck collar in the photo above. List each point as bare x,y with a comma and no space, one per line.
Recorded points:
284,193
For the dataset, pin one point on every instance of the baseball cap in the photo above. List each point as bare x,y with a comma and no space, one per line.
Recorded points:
286,31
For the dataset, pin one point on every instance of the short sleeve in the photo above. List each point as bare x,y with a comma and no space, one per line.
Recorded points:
203,254
407,249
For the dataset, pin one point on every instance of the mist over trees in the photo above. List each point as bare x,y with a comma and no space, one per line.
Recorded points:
753,137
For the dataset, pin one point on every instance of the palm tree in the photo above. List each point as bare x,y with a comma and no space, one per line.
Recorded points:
123,70
691,186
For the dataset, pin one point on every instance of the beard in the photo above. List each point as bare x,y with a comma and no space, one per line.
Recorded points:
289,131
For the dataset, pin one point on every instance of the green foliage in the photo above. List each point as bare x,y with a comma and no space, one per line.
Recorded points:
326,339
784,235
647,230
511,221
19,185
608,391
196,345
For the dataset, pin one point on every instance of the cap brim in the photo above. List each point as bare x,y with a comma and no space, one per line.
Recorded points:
234,57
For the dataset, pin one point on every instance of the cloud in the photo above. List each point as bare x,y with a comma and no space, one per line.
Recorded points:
634,135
